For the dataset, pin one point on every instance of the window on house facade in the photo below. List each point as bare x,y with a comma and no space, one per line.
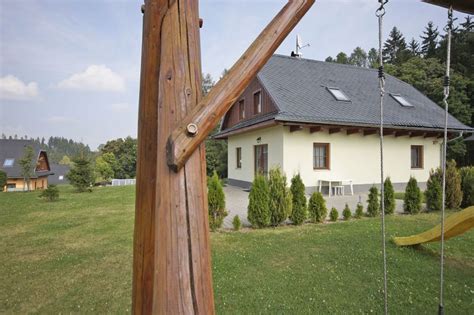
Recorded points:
321,156
261,159
257,102
338,94
8,162
416,156
238,153
241,109
401,100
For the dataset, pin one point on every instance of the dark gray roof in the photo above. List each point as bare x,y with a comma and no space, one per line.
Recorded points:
60,171
15,149
299,89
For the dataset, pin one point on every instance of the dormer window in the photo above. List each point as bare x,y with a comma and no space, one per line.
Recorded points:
401,100
8,162
241,109
257,102
338,94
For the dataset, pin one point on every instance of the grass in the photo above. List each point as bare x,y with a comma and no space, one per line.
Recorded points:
401,196
74,256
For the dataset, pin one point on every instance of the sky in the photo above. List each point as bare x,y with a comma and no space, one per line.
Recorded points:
71,68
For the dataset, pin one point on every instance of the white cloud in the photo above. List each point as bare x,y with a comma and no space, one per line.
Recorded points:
12,88
94,78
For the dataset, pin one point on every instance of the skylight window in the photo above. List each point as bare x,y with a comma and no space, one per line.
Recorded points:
401,100
338,94
8,162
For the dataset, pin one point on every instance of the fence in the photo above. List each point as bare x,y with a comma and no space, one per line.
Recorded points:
123,182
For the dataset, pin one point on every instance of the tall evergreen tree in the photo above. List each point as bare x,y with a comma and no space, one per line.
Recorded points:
414,48
81,175
395,48
429,41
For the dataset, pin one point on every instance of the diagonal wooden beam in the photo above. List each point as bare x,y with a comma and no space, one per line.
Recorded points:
200,121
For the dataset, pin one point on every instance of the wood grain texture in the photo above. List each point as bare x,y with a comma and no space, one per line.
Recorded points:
172,264
213,107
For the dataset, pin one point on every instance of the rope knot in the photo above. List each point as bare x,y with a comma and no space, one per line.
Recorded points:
381,72
447,81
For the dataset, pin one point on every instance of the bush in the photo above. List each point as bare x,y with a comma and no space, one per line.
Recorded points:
236,223
359,211
412,200
333,215
299,212
51,193
3,180
467,186
346,213
317,208
453,186
434,192
81,175
258,211
389,196
279,206
373,207
216,202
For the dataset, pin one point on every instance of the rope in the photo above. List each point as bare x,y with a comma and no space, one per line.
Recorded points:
448,29
380,13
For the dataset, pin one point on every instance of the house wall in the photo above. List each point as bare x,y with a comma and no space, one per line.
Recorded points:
35,184
352,157
273,137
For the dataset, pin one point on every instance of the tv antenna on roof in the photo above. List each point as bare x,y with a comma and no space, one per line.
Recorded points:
299,46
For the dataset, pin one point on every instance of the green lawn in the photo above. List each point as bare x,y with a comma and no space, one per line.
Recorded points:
75,256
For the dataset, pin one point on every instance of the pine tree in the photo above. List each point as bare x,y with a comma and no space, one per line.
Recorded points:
395,48
279,208
389,196
346,213
317,208
414,48
412,199
373,207
81,175
299,213
433,193
258,211
453,186
429,41
216,202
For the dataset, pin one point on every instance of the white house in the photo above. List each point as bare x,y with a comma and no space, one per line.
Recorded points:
321,119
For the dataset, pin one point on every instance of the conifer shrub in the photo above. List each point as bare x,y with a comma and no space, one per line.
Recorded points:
373,207
50,194
299,211
333,214
81,174
434,192
279,206
216,202
346,213
467,185
236,223
453,186
412,199
317,208
389,196
359,211
258,210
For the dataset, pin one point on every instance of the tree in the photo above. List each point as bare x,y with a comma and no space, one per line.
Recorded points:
3,180
125,152
373,207
51,193
65,160
103,169
342,58
279,209
389,196
429,42
414,48
299,213
453,186
412,199
27,165
207,83
346,213
467,185
216,202
395,48
329,59
373,58
258,211
216,155
358,57
317,208
81,175
434,192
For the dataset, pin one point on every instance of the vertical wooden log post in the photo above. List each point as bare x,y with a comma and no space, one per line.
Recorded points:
172,269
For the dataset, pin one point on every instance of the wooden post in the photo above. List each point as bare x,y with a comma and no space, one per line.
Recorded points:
171,258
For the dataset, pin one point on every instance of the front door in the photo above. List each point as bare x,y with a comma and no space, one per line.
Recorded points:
261,159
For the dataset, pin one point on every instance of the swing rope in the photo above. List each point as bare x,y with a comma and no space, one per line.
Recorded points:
448,29
380,13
